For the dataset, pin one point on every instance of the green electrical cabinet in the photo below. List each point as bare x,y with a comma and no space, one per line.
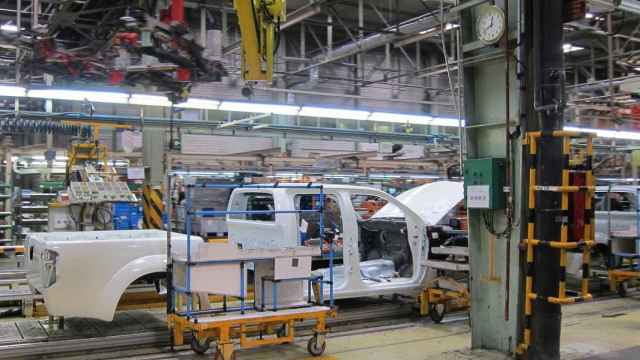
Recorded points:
484,181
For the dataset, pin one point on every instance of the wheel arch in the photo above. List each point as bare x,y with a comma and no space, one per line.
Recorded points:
133,271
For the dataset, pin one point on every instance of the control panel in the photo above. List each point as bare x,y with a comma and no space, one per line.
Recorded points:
484,181
99,192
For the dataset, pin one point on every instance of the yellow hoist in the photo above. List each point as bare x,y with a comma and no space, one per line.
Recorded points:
89,151
260,28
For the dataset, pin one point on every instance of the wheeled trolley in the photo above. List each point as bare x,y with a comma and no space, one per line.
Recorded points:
444,293
279,271
252,329
624,257
624,265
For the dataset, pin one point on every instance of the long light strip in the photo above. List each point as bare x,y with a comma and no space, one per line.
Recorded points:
259,108
9,28
611,134
149,100
233,106
74,95
14,91
321,112
202,104
401,118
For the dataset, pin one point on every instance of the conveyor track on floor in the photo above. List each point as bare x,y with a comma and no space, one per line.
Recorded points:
33,337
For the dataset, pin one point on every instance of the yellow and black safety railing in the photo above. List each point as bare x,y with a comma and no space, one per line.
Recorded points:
13,249
153,207
584,165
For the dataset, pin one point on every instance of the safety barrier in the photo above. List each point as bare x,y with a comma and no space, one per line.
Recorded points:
564,244
153,207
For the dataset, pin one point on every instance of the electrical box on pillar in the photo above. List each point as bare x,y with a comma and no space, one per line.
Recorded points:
484,181
260,29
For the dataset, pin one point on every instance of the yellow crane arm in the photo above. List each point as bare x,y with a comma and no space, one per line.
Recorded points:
259,27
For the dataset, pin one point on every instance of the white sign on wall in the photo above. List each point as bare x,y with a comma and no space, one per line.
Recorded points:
478,197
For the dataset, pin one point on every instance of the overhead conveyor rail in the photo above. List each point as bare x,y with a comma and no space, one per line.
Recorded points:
253,324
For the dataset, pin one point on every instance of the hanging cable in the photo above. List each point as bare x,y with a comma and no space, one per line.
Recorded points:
457,106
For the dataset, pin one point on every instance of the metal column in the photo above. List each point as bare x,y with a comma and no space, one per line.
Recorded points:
494,306
548,108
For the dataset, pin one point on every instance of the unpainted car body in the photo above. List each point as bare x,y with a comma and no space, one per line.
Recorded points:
84,274
616,210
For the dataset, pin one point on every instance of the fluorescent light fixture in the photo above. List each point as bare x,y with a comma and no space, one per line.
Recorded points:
567,48
202,104
334,113
259,108
235,106
13,91
80,95
9,27
149,100
451,26
286,175
401,118
447,27
451,122
340,176
414,119
611,134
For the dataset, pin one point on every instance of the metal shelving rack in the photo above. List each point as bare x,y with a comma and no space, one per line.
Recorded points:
204,325
6,214
35,206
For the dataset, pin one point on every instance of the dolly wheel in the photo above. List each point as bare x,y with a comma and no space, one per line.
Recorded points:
623,289
314,348
199,347
282,331
437,311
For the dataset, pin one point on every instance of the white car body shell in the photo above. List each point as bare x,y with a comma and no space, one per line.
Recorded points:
93,269
615,221
284,232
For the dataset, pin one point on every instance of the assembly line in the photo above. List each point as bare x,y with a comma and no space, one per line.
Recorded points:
330,179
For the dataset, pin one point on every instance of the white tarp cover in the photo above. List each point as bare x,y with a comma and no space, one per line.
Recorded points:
431,201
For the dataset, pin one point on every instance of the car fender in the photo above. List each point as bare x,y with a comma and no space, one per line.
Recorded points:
121,280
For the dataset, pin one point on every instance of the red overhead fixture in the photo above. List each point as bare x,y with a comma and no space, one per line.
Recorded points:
177,11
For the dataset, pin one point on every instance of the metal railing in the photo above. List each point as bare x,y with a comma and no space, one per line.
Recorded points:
173,290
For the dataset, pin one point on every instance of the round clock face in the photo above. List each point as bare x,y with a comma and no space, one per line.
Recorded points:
491,25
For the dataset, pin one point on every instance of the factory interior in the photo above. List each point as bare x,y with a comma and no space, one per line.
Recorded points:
320,179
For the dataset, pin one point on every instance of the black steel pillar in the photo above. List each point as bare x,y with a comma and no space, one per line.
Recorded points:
547,115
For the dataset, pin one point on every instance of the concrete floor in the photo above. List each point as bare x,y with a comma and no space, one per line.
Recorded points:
607,329
602,330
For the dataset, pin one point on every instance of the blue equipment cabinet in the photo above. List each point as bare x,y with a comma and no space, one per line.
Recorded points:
126,216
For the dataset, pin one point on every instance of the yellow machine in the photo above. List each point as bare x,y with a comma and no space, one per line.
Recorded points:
442,295
79,153
260,27
90,151
620,280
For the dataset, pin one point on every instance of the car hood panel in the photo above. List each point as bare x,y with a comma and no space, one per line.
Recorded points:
431,202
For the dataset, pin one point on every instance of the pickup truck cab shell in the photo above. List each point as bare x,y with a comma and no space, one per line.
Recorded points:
283,230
